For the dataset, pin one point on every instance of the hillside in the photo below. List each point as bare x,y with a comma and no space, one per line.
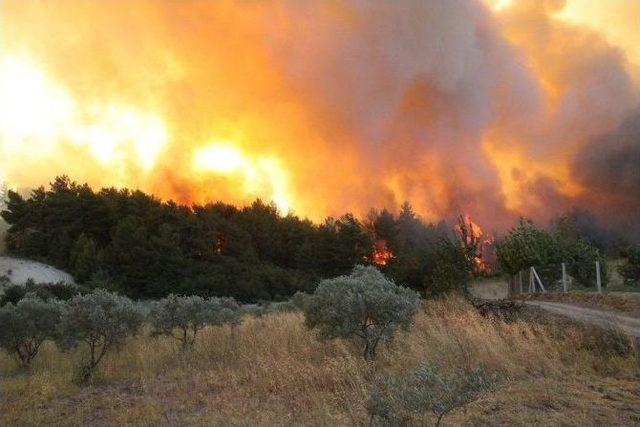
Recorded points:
20,270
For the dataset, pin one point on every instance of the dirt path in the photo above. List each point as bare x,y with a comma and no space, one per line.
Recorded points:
608,319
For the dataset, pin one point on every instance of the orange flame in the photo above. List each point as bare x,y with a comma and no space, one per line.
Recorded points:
382,255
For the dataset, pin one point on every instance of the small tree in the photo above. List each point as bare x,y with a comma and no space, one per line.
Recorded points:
401,400
364,305
24,326
100,319
452,269
183,317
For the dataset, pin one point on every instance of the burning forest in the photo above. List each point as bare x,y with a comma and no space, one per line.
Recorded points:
498,109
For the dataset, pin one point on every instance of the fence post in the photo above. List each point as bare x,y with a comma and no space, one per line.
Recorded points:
520,277
535,273
598,281
532,286
564,278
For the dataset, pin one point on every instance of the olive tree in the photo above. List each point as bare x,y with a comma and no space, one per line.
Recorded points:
24,326
102,320
409,398
182,317
364,305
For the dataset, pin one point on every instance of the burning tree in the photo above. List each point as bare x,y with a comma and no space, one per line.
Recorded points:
475,244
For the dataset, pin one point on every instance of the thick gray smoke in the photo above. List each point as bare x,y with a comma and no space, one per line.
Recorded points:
609,166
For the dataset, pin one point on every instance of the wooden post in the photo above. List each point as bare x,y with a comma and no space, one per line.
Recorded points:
531,284
598,281
535,273
564,278
520,277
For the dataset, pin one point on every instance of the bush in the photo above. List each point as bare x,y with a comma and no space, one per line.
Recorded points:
404,400
364,305
183,317
45,291
630,270
102,320
26,325
12,294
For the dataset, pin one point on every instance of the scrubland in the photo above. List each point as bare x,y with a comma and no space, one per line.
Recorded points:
271,370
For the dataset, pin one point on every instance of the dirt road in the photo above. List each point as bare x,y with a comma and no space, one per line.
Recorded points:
608,319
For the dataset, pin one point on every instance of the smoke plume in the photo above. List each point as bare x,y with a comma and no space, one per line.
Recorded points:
321,106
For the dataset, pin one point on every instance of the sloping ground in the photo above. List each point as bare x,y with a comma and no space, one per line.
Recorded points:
19,271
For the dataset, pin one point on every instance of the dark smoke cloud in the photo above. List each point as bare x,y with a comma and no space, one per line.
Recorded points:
609,167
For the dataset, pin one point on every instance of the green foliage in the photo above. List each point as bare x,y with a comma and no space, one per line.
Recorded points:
408,399
148,249
528,246
102,320
183,317
12,294
45,291
452,269
24,326
84,259
630,270
364,305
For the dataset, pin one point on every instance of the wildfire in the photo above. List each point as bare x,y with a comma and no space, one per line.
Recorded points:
382,255
226,159
319,107
479,246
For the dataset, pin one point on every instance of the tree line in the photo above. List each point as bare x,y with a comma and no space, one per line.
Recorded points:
134,243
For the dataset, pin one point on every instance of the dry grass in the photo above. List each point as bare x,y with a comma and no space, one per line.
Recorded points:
272,371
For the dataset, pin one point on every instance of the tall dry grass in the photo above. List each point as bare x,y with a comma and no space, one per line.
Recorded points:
272,371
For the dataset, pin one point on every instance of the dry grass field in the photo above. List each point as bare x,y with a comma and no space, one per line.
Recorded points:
272,371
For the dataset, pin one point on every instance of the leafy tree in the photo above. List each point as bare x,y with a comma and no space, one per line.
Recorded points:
26,325
364,305
102,320
406,399
452,269
183,317
526,246
84,258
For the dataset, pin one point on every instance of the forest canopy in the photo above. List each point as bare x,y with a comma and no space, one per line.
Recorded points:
136,244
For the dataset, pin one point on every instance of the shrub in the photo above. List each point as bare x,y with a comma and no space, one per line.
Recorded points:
630,270
102,320
26,325
12,294
364,305
45,291
403,400
183,317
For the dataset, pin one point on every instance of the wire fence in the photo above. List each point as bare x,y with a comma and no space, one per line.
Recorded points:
560,277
